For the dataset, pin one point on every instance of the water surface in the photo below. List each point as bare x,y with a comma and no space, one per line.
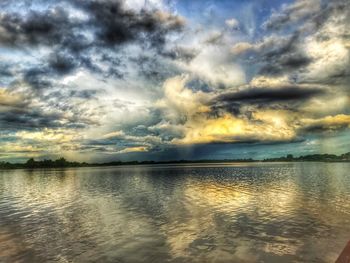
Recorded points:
259,212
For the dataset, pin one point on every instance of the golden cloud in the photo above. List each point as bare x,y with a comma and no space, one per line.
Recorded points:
134,149
8,99
328,123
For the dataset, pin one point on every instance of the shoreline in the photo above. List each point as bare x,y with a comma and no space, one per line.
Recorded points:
190,162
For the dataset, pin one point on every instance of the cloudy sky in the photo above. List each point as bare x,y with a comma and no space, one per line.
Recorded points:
102,80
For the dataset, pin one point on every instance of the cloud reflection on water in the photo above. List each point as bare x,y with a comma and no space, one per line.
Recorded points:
217,213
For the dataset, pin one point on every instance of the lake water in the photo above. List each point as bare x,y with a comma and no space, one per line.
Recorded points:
255,212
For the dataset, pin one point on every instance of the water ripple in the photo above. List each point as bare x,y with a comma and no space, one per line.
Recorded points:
176,213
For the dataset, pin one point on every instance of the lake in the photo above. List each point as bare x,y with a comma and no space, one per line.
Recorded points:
239,212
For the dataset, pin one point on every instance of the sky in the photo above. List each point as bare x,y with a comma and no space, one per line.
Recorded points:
105,80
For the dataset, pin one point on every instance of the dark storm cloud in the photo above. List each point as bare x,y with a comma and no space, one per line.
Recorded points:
243,103
110,23
24,110
5,70
83,42
284,61
328,124
62,63
115,25
40,76
93,42
23,115
37,77
24,118
154,68
115,62
51,27
270,95
28,119
278,55
64,95
323,127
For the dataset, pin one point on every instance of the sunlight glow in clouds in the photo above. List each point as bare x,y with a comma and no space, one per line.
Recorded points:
120,79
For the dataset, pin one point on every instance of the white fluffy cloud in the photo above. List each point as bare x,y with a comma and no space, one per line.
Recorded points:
232,23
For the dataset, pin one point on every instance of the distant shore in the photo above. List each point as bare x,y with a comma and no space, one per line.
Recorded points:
62,163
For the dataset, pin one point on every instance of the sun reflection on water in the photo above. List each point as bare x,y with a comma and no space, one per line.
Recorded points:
215,213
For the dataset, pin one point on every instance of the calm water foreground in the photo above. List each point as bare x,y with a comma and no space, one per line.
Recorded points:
278,212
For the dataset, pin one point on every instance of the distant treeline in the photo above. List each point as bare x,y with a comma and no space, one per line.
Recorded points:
61,163
31,163
312,158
